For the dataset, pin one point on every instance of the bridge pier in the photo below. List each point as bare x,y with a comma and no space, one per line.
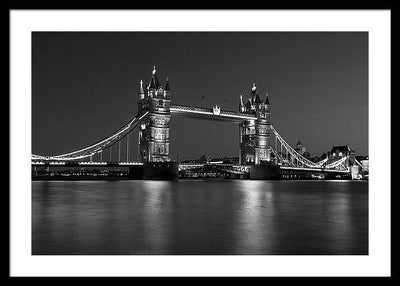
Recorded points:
154,171
266,171
160,171
135,172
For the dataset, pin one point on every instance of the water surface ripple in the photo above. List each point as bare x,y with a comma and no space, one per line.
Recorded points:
200,217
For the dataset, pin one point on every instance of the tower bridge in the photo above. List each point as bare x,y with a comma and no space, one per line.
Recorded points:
263,153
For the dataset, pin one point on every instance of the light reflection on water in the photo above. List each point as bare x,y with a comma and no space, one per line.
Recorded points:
200,217
253,233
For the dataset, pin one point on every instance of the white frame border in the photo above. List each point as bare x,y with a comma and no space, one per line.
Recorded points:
376,22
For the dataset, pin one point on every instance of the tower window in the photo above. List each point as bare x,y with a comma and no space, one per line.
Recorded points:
159,134
160,103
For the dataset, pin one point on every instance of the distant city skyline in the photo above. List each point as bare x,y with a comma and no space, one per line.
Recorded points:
85,85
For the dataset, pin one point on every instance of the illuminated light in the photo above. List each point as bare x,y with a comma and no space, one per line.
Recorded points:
75,155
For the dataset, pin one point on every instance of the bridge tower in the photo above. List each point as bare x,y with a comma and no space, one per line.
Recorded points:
254,134
154,130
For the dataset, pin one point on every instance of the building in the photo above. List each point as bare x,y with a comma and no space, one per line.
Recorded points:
154,130
364,161
300,148
254,134
338,152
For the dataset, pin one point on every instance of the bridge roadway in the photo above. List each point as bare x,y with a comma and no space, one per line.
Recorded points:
210,113
246,168
182,166
85,164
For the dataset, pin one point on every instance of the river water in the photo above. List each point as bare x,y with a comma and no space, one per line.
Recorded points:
200,217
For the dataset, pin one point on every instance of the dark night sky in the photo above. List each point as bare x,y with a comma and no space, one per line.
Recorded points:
84,86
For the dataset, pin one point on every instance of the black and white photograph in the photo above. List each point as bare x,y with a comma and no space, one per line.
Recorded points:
231,143
200,143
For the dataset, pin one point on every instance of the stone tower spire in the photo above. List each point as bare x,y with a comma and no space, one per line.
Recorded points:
266,99
241,105
167,84
167,89
141,91
154,83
